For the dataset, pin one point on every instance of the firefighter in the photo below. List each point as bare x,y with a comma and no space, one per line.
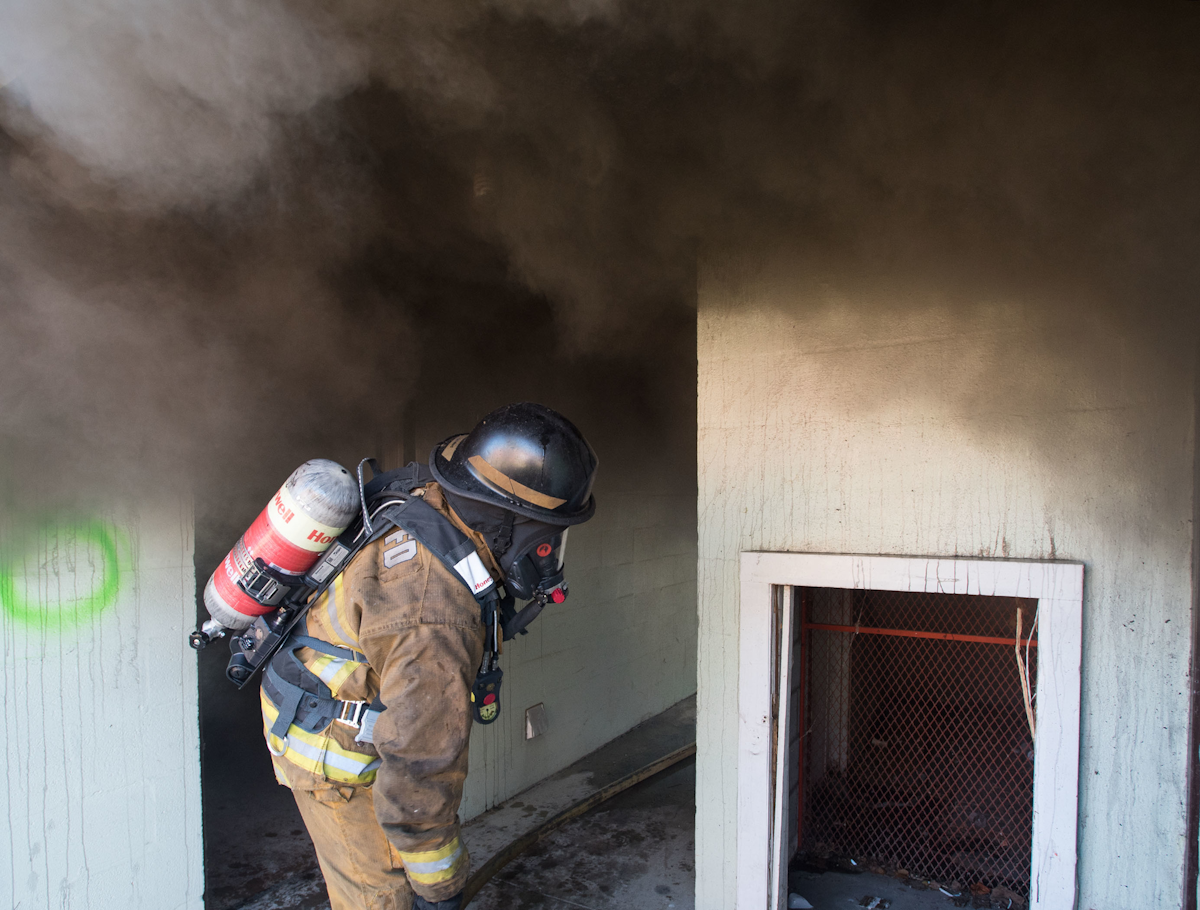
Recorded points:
397,641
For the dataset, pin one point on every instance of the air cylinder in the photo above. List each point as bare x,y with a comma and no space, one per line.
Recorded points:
314,505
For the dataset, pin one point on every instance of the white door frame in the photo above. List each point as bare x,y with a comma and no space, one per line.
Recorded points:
764,682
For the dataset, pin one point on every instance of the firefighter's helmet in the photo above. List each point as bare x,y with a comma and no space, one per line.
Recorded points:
524,458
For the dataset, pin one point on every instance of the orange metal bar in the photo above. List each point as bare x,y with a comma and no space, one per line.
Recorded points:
908,633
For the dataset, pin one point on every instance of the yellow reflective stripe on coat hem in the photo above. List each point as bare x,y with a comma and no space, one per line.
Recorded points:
317,740
324,756
435,866
318,753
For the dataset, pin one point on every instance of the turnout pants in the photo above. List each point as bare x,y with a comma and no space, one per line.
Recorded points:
362,870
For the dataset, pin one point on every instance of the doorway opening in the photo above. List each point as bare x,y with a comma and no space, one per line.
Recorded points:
891,711
912,736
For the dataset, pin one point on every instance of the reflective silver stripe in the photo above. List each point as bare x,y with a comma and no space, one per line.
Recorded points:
438,865
332,758
331,669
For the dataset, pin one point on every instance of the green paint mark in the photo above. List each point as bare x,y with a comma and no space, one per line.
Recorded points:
66,574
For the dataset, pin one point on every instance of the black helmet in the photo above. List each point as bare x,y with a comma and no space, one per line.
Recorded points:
524,458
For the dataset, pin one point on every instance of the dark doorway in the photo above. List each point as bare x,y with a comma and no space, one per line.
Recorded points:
915,753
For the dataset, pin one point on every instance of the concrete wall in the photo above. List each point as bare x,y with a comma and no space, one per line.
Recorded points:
840,418
623,646
101,744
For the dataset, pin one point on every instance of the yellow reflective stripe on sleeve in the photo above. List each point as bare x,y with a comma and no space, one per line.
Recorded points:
333,671
435,866
319,753
334,597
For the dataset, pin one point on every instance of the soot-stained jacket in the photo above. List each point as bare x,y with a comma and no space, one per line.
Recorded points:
419,634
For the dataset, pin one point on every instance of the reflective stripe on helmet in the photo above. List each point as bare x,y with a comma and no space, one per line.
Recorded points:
525,458
506,483
435,866
448,452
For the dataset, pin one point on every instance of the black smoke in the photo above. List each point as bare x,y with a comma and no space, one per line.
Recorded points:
225,223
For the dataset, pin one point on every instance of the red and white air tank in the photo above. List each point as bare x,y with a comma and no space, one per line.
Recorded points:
314,505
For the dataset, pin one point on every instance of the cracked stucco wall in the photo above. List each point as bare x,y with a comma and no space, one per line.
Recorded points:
101,799
859,420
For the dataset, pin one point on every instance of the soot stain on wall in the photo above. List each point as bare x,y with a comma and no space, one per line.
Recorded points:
223,225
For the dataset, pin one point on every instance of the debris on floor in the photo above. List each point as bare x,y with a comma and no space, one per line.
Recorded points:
811,865
834,889
635,851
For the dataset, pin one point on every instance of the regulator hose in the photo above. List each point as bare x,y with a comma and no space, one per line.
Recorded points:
485,872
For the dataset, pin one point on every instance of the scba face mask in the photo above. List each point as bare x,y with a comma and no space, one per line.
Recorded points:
536,568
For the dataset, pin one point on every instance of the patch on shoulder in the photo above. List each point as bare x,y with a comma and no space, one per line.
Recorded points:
398,547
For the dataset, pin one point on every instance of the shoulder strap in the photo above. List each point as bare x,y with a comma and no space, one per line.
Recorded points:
450,545
388,504
401,480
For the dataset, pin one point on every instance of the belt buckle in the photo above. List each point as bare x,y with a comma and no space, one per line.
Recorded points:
351,713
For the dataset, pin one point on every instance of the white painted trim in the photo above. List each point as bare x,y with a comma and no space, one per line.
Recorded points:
783,688
1058,588
754,743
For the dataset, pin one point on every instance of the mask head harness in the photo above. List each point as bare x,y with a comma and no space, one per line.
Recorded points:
530,553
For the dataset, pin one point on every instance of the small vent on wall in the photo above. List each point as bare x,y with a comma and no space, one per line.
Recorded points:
535,721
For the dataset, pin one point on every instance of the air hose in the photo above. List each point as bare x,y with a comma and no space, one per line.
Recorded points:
485,872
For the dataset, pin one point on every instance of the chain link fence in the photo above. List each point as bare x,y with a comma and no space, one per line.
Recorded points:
916,740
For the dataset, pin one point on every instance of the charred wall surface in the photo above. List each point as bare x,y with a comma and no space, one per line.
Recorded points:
985,430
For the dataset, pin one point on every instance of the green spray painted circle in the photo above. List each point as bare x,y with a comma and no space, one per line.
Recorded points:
92,536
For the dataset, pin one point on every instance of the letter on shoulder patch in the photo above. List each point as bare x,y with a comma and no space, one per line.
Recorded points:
404,548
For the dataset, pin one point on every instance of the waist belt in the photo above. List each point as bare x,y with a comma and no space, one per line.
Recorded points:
313,709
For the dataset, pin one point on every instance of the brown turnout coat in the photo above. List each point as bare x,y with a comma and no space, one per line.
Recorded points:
420,630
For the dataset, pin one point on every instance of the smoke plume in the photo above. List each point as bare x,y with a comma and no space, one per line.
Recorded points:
220,218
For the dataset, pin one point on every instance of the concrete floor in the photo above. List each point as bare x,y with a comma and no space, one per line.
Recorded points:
270,863
633,851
